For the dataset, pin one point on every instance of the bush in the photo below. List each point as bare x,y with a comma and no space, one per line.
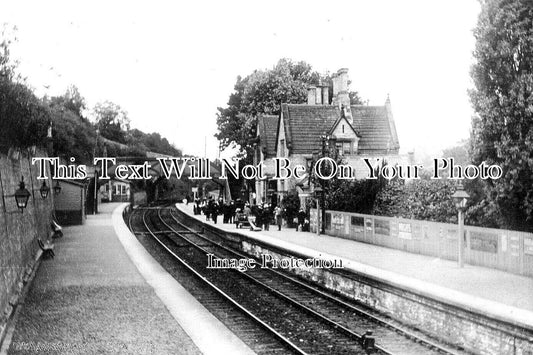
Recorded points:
290,206
24,117
429,200
72,136
353,196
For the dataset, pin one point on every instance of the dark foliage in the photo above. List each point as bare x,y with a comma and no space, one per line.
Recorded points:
502,131
72,136
353,195
423,199
152,142
24,118
262,92
290,206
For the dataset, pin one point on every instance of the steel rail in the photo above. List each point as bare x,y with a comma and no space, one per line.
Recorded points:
249,314
402,331
335,325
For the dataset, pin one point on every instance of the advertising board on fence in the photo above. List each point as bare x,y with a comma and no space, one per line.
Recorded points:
404,231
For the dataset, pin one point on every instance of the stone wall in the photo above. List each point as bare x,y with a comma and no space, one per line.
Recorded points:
19,231
454,324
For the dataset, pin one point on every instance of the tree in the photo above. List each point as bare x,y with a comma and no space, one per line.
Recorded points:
152,142
480,211
72,136
355,99
7,66
502,131
24,117
262,92
112,121
71,100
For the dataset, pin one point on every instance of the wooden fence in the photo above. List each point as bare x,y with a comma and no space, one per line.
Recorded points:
505,250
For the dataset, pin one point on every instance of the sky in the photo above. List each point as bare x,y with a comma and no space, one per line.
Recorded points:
170,64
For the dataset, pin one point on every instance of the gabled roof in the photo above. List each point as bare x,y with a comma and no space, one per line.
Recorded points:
343,119
304,124
267,127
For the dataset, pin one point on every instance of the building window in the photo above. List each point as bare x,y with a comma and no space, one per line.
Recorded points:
343,148
347,148
282,147
342,128
338,148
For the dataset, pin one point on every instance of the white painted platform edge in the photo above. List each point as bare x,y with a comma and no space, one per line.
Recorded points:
206,331
514,315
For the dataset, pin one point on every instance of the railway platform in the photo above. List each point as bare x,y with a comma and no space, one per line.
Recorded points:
103,293
488,291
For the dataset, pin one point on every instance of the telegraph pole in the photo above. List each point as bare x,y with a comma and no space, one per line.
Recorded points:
324,138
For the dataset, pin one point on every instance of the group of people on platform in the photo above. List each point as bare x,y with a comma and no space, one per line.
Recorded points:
236,211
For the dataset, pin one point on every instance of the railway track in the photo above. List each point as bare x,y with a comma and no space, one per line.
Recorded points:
252,332
303,318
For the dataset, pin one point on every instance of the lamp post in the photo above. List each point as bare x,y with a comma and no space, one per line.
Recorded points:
95,192
318,193
460,197
325,141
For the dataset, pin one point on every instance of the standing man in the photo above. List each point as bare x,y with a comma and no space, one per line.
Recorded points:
277,215
301,220
231,211
214,211
267,216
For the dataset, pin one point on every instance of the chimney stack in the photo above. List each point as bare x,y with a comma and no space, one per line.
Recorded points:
340,88
342,74
318,95
311,95
325,95
335,80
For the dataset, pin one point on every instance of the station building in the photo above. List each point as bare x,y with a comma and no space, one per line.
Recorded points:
69,204
115,190
302,132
